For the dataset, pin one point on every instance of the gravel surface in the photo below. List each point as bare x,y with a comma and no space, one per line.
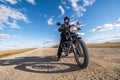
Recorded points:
41,64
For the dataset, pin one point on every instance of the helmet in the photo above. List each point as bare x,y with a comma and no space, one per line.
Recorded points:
66,18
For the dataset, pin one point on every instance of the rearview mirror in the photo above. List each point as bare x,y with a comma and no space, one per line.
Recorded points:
58,24
78,22
78,29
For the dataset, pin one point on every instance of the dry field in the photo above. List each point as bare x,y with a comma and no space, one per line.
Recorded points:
105,45
41,64
101,45
10,52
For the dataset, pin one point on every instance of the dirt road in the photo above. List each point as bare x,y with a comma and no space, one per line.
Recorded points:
41,64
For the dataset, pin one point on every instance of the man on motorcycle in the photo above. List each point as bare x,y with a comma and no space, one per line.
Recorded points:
62,30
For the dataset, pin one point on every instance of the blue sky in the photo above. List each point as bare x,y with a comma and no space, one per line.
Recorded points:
32,23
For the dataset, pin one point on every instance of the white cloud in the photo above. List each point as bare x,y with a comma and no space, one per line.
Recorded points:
74,3
1,26
61,9
106,38
48,41
13,25
106,27
80,10
15,36
63,2
13,14
19,45
16,1
67,7
81,34
4,37
77,8
31,1
118,21
73,22
117,24
88,2
50,21
12,1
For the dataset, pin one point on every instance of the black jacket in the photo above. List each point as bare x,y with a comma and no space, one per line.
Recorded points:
63,28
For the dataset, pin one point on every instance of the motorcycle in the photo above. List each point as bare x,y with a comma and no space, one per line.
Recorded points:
74,43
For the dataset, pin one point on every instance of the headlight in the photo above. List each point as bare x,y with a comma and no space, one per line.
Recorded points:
73,29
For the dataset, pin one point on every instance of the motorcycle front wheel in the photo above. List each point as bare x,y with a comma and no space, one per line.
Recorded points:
81,54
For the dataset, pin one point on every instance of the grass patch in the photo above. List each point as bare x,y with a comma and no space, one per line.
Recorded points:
11,52
105,45
101,45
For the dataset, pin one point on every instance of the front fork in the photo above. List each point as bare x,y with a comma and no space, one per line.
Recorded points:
73,44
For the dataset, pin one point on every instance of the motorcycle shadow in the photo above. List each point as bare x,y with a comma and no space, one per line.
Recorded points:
37,64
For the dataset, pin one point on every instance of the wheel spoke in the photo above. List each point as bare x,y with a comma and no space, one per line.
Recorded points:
80,54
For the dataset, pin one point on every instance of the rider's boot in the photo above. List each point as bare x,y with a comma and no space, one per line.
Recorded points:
58,58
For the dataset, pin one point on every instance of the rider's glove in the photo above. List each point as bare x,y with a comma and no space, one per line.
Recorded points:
61,28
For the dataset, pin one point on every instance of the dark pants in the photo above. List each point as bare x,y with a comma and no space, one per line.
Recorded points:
60,47
59,50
